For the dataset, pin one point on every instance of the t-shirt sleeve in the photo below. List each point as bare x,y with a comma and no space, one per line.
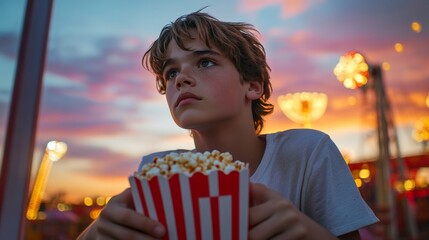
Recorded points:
331,197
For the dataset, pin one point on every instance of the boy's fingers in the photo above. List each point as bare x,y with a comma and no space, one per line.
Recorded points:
132,219
259,213
117,212
124,198
260,194
110,230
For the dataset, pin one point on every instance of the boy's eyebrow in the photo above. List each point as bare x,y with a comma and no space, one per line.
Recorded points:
195,53
205,52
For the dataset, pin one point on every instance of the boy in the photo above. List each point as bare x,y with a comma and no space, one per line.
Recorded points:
216,81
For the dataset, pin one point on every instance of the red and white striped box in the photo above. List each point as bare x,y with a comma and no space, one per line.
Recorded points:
213,206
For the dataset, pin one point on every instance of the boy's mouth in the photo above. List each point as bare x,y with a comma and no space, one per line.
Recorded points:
185,97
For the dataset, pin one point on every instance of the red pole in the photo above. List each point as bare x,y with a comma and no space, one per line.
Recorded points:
22,123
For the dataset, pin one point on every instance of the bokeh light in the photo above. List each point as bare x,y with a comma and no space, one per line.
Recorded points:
94,213
364,173
416,27
385,66
88,201
358,182
427,100
409,184
399,47
352,70
421,130
100,201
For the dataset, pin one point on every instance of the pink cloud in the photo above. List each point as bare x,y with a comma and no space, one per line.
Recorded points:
114,71
255,5
289,8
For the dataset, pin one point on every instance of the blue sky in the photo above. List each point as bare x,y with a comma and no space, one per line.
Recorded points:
104,105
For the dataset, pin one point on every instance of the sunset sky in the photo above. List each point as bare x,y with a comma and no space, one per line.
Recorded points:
99,100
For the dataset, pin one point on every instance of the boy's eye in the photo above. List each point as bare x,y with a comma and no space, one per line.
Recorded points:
206,63
170,74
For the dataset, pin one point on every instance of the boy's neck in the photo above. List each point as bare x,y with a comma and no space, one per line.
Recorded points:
245,146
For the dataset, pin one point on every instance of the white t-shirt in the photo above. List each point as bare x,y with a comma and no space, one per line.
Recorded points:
307,168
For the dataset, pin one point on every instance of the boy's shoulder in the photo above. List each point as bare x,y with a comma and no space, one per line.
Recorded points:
302,139
300,134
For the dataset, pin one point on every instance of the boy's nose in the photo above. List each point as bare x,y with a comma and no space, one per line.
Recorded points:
184,79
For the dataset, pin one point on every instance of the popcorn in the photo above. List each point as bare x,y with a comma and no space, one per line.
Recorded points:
189,163
195,195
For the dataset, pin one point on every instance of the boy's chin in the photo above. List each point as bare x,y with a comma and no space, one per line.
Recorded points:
184,125
189,122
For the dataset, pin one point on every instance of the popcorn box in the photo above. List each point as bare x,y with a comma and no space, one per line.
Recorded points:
213,206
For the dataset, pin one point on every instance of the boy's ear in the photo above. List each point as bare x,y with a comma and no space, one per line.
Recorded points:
255,89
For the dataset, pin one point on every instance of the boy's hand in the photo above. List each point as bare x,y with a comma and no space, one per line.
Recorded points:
118,220
273,217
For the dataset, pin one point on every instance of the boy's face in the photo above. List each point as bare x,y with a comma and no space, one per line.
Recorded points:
203,87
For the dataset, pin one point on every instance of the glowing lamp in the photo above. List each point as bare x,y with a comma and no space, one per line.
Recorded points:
352,70
303,107
53,152
56,150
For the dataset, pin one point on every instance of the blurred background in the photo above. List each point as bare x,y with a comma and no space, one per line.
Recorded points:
102,108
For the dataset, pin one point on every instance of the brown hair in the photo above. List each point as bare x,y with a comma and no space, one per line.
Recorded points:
236,40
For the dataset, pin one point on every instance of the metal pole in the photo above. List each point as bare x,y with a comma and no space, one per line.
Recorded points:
22,123
385,199
386,131
401,168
